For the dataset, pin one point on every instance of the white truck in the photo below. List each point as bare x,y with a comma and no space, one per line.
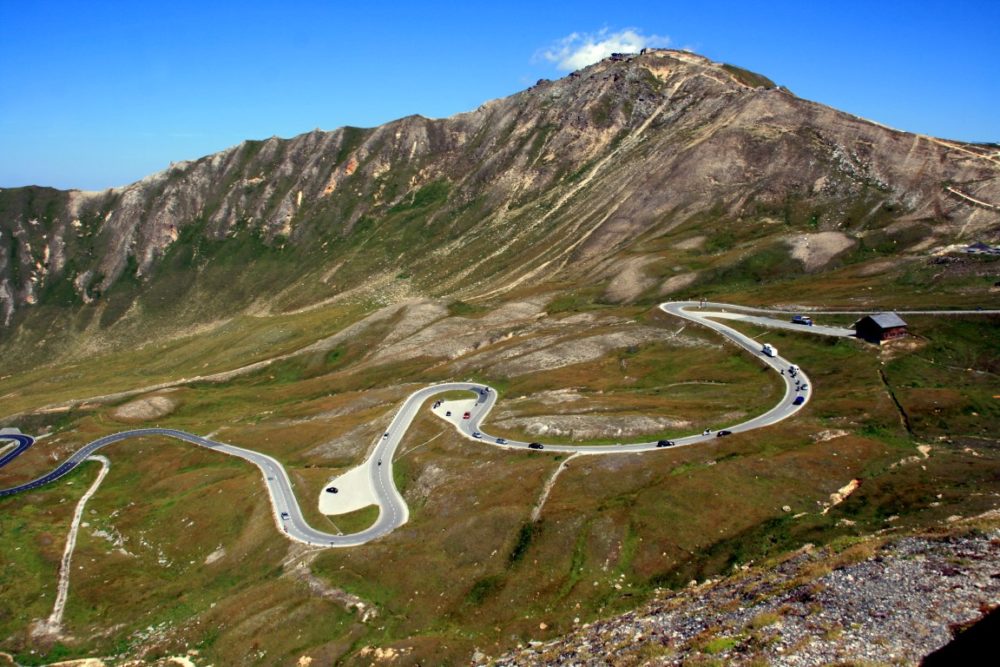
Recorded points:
769,350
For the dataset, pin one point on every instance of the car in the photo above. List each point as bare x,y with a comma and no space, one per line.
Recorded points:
448,413
802,319
477,434
804,387
706,431
665,443
331,489
284,516
536,445
501,441
799,400
467,415
437,404
723,433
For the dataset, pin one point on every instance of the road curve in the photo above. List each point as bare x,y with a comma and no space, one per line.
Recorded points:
393,511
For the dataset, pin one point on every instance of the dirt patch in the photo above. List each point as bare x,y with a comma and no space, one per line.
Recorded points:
678,282
587,349
430,478
351,444
692,243
630,281
816,250
145,408
877,267
591,427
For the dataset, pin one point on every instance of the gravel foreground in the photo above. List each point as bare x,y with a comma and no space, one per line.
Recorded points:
872,603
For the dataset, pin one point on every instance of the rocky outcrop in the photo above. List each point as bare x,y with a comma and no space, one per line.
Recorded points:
879,602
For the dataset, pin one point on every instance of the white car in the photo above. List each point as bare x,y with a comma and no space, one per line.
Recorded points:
477,434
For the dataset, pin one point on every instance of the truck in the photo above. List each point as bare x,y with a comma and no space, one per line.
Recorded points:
802,319
769,350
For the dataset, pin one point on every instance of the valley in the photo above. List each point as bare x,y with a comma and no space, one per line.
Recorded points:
292,298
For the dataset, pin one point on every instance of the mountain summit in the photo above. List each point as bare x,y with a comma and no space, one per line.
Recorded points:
560,181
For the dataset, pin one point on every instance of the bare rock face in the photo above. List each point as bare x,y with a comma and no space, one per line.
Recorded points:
550,181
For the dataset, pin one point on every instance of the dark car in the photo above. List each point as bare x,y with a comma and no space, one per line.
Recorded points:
448,413
331,489
386,434
722,433
536,445
799,400
664,443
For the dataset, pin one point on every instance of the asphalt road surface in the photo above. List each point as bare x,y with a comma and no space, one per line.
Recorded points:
393,511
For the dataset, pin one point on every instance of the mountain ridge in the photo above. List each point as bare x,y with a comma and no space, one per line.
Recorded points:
564,164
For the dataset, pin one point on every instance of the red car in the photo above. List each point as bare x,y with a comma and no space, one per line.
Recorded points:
467,415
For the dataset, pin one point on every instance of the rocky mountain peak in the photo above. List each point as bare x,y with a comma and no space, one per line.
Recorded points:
567,171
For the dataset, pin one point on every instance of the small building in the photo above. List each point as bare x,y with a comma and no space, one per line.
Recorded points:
879,327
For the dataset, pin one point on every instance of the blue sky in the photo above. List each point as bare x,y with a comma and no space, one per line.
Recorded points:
98,94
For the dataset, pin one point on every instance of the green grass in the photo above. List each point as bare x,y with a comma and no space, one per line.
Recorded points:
358,520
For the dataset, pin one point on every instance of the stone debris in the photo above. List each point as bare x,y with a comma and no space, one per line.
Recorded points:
893,605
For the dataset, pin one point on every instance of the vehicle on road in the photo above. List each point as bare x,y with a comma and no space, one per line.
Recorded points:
331,489
477,434
385,435
723,433
706,431
802,319
501,441
799,400
536,445
466,415
284,516
665,443
448,413
804,387
769,350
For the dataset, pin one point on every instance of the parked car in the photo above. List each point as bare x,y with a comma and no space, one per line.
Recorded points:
664,443
799,400
466,415
802,319
501,441
536,445
722,433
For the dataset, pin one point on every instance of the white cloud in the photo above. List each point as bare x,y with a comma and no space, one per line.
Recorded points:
580,49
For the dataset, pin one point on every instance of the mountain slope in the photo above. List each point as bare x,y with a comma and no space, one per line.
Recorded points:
547,184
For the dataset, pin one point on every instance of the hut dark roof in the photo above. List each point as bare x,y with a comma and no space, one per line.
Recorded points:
886,320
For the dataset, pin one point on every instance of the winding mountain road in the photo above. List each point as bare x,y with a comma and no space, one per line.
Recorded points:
393,511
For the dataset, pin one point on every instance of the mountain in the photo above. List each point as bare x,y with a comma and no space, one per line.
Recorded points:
287,296
572,179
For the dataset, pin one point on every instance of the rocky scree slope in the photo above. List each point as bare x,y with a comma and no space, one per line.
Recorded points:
878,601
556,182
